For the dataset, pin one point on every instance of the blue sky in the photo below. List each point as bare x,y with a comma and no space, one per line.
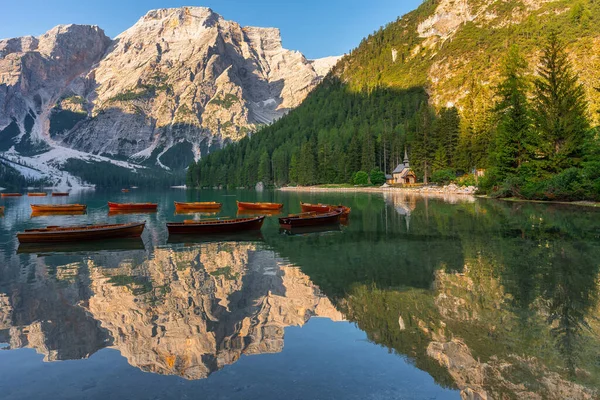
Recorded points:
317,28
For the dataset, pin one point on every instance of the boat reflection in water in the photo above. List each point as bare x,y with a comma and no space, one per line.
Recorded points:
84,248
256,213
38,214
113,212
310,230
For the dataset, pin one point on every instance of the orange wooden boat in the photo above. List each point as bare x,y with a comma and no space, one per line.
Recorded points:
210,205
310,219
78,233
48,208
35,194
325,208
259,206
60,194
215,226
11,195
125,190
132,206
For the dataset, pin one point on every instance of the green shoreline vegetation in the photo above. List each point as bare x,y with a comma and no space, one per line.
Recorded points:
532,129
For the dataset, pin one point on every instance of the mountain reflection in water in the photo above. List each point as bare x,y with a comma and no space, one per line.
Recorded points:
185,311
491,299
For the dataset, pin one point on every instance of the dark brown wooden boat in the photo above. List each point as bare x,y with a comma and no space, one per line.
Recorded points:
132,206
2,210
11,195
60,194
78,233
325,208
37,194
310,219
210,205
259,206
48,208
215,226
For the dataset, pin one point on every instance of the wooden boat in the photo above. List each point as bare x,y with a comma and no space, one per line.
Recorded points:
2,210
210,205
259,206
78,233
216,226
310,219
58,207
60,194
325,208
125,190
11,195
132,206
34,194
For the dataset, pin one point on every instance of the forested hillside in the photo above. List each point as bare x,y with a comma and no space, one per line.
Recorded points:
429,82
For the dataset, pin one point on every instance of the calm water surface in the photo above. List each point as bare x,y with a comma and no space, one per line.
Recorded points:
413,299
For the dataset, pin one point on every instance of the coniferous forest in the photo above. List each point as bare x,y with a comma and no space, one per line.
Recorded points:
532,136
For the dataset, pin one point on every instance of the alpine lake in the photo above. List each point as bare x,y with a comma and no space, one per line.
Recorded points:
415,298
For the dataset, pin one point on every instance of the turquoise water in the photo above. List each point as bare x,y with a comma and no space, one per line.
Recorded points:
414,298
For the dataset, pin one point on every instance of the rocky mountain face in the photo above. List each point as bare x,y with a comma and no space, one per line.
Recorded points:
177,84
454,48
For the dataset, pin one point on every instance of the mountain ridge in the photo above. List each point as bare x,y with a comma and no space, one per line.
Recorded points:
171,88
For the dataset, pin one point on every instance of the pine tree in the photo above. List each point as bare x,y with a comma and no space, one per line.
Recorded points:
560,108
513,141
423,147
264,168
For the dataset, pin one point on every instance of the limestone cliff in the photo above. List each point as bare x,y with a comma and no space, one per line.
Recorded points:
177,84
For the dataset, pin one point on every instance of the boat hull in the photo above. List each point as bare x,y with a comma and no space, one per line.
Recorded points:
80,233
132,206
11,195
37,194
311,220
58,208
197,206
216,227
60,194
259,206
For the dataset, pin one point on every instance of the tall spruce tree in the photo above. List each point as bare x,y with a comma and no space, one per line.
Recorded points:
513,143
423,147
560,108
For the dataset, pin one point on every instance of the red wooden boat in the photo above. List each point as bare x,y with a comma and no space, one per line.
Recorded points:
48,208
11,195
212,226
60,194
325,208
259,206
78,233
310,219
37,194
131,206
211,205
